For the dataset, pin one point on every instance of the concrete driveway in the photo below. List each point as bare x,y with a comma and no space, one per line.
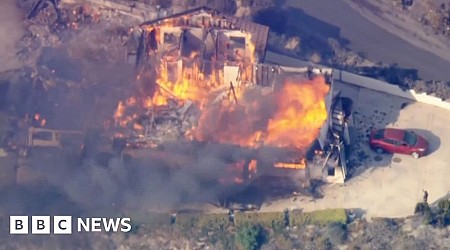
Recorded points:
387,185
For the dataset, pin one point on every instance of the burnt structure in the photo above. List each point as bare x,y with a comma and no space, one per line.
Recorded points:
205,31
201,51
202,86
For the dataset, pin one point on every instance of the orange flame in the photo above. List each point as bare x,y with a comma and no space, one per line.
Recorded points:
300,165
182,79
41,121
252,168
290,116
295,121
119,111
137,126
301,113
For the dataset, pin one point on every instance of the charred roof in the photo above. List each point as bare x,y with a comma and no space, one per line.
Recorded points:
210,19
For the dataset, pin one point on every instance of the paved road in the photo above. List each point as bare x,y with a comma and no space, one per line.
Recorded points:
379,44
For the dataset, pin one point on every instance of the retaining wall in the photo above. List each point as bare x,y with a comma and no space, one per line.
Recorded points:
377,85
361,81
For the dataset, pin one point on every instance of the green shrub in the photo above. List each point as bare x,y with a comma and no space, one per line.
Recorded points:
202,220
187,220
223,240
149,219
274,220
444,207
421,208
251,237
320,217
443,216
208,222
213,220
336,232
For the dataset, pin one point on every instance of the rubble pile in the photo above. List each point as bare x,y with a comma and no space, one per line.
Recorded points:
208,62
88,37
158,124
70,53
53,26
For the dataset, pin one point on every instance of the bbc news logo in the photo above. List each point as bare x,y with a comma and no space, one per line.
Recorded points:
63,224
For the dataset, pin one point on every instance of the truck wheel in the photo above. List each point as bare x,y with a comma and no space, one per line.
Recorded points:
379,150
415,155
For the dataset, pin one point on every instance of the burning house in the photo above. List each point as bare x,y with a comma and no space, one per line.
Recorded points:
207,115
201,82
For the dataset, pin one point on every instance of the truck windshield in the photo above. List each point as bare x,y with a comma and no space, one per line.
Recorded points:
410,138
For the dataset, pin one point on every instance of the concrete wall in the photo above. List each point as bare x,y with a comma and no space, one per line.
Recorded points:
377,85
361,81
275,58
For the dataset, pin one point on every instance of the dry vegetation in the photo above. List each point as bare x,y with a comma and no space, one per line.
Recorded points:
433,14
215,232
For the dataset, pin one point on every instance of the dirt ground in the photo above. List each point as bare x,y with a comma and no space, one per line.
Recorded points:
11,31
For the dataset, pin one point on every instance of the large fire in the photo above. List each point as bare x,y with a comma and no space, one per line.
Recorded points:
193,84
289,117
300,114
182,80
234,112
